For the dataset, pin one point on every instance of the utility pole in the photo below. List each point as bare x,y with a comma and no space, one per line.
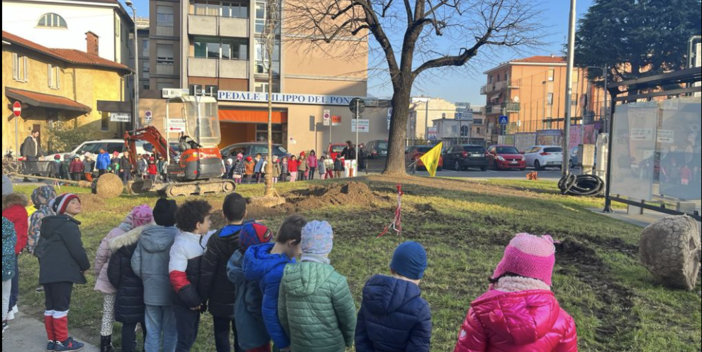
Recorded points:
569,89
426,121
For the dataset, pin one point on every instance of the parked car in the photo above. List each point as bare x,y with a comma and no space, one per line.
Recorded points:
335,149
463,157
109,145
573,162
415,153
505,157
542,156
253,148
376,149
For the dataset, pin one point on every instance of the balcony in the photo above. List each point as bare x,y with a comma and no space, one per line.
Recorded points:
164,69
234,69
499,86
202,25
214,68
215,26
498,108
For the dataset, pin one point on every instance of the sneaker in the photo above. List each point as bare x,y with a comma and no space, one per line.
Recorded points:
4,327
10,315
51,345
15,309
40,289
69,345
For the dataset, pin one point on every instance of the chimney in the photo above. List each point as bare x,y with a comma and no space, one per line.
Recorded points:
93,42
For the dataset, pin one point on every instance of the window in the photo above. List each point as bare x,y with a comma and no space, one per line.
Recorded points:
236,10
105,121
489,79
52,20
160,85
574,99
551,72
498,78
506,76
549,99
164,54
464,131
145,46
146,70
262,87
260,16
164,16
53,74
145,84
262,57
20,66
227,49
478,130
118,27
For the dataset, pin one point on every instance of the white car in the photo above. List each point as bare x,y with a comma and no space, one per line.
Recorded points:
93,147
542,156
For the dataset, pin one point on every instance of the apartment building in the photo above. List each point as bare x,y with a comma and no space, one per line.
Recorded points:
424,110
218,46
532,93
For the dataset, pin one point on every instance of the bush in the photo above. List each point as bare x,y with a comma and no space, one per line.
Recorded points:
62,136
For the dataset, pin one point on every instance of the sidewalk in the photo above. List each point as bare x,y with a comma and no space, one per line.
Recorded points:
644,220
27,334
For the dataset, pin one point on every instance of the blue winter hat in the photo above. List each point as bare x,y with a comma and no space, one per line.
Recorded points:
410,260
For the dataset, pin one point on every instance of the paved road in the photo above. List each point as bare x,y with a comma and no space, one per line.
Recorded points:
549,174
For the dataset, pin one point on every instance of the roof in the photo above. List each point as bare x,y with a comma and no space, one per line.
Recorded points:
533,60
45,100
71,56
109,3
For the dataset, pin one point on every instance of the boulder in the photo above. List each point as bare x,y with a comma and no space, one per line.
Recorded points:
670,250
108,186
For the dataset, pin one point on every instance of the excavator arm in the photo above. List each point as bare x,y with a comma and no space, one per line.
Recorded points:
151,135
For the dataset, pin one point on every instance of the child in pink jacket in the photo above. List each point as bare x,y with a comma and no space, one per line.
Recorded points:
519,312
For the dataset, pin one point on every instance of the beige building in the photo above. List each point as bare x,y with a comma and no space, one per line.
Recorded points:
57,85
532,93
424,110
217,46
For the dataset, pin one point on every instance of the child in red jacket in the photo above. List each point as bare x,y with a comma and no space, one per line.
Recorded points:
14,208
519,312
153,169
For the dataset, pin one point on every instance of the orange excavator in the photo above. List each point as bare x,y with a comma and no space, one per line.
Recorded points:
196,168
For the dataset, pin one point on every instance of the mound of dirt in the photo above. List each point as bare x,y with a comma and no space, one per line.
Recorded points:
346,194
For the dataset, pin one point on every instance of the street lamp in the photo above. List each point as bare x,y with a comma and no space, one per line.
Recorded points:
130,4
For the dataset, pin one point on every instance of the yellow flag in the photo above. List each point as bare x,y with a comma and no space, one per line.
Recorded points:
431,159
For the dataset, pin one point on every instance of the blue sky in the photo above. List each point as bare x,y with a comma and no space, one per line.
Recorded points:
465,87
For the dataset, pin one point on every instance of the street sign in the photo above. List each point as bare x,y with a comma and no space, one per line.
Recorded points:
504,120
326,116
363,125
168,93
357,102
432,133
17,109
120,117
336,120
176,126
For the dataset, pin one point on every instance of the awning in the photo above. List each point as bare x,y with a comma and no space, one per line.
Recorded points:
45,100
495,97
115,106
252,116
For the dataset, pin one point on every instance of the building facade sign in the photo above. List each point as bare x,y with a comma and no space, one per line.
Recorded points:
284,98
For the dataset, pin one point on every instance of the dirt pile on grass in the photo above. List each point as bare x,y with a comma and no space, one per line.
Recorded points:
337,194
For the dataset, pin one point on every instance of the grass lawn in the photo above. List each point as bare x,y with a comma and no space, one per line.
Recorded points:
464,226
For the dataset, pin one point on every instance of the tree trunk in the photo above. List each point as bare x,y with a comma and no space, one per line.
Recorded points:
395,164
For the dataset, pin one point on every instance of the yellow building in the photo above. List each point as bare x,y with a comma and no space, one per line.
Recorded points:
424,110
55,85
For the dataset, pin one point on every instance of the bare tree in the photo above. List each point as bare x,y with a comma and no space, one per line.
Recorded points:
415,36
269,38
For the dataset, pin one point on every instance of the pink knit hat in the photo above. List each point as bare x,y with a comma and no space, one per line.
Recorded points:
528,256
141,215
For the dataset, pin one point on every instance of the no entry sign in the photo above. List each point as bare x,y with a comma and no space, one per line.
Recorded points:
17,109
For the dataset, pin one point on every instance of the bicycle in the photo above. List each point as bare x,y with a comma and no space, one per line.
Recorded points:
10,165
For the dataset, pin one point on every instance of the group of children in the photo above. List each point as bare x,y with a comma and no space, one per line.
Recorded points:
162,268
294,168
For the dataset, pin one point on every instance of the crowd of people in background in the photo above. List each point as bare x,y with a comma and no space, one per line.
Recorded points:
163,267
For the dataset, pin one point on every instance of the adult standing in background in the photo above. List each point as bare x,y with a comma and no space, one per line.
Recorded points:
103,162
349,154
31,150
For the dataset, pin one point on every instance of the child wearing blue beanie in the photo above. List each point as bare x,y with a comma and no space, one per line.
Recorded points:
393,314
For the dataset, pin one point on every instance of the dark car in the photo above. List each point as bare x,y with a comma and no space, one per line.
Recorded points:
465,156
253,148
376,149
505,157
415,153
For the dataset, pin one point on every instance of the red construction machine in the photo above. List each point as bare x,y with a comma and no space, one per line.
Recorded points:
196,167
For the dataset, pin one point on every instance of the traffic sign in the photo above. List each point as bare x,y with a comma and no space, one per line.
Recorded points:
336,120
176,126
363,125
17,109
357,102
504,120
326,116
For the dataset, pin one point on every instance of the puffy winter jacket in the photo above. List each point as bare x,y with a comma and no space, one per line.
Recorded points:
129,304
61,254
316,308
9,259
103,161
184,268
249,168
526,321
14,209
251,331
150,262
214,285
102,259
268,269
393,317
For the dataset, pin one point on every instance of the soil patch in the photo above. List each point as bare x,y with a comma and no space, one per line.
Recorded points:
581,261
337,194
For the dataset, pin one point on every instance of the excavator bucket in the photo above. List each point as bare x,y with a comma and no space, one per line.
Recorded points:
139,186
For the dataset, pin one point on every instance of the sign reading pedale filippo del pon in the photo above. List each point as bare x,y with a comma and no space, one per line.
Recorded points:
285,98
